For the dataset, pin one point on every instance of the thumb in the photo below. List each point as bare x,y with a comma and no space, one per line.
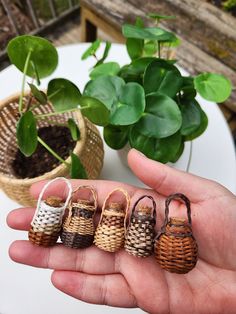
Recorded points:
167,180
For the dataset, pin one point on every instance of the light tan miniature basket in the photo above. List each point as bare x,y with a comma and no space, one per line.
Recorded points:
78,228
47,221
139,237
89,148
110,233
176,249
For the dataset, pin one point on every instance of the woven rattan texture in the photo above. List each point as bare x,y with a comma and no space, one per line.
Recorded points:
78,229
43,239
89,149
110,233
176,249
140,235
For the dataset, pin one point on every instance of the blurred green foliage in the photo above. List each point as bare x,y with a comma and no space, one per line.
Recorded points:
229,5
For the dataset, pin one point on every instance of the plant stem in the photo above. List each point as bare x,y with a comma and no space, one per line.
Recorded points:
54,122
52,151
190,156
23,81
41,116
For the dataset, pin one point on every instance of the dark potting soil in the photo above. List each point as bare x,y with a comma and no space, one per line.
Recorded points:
58,138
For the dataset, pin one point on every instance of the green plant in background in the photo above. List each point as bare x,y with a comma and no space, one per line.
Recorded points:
229,5
37,58
149,103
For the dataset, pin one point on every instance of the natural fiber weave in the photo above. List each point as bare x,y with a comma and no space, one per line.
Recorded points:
110,233
78,228
139,237
175,247
89,148
47,221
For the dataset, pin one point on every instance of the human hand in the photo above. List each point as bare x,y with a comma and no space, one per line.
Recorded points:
119,279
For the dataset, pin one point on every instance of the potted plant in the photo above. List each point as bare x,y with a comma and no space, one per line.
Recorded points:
150,105
43,135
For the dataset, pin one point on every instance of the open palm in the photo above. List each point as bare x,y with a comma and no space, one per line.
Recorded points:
118,279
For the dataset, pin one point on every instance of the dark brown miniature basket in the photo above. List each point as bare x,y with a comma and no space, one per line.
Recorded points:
139,237
78,228
176,249
47,221
110,233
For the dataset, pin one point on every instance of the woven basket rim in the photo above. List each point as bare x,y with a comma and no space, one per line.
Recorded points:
53,173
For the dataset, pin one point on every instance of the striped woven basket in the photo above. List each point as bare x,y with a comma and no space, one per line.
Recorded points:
47,221
110,233
139,237
78,228
176,249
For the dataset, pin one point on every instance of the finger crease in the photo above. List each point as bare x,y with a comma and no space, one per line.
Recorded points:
80,261
104,291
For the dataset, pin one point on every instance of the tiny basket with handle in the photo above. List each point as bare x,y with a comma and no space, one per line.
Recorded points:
110,233
78,228
47,221
139,237
175,247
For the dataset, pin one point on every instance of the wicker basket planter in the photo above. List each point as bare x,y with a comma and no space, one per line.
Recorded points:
78,228
110,232
176,249
89,148
47,221
139,237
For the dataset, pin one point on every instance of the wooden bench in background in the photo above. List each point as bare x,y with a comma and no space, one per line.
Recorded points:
208,35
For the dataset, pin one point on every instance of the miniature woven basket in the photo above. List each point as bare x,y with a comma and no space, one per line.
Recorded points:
89,149
47,221
78,228
176,249
110,232
139,237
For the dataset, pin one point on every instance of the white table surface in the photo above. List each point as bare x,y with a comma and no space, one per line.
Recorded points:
213,157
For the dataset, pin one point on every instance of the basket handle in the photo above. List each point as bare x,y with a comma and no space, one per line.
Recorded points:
44,189
127,197
87,187
181,197
136,203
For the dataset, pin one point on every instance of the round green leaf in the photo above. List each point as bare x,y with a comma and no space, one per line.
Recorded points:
178,153
91,49
105,89
109,68
213,87
191,115
188,91
202,127
162,150
162,77
134,47
129,106
115,136
44,57
156,33
26,133
77,170
150,48
74,130
94,110
134,71
162,117
38,94
63,94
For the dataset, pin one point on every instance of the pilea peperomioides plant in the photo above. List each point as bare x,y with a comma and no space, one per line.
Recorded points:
149,103
37,58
